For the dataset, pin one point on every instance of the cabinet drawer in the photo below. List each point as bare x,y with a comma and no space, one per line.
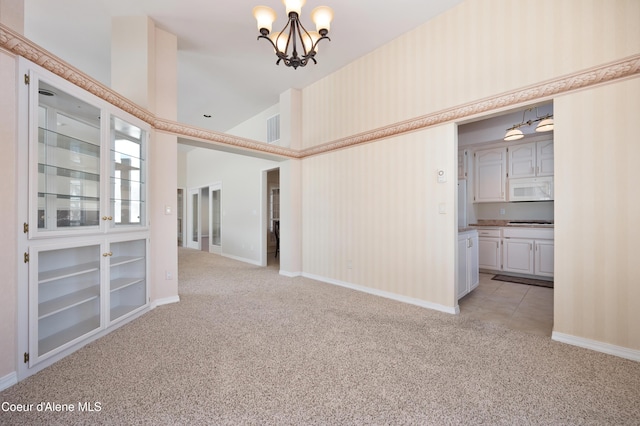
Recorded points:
523,232
494,233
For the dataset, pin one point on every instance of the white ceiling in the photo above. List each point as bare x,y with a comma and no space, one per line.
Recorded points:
223,70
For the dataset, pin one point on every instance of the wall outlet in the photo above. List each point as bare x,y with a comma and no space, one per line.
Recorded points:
502,211
168,275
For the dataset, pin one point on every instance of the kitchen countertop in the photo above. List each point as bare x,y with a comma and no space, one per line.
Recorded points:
467,229
514,223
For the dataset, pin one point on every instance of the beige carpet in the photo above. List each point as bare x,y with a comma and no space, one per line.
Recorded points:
248,346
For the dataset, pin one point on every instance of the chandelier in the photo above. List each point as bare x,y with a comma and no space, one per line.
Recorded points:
294,45
545,124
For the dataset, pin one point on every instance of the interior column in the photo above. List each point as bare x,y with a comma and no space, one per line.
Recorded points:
144,69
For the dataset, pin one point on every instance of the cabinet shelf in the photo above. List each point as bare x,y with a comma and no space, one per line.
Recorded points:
69,271
56,340
122,310
67,172
122,283
121,260
67,143
68,301
68,197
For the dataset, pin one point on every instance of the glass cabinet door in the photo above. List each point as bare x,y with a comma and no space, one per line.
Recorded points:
68,167
127,173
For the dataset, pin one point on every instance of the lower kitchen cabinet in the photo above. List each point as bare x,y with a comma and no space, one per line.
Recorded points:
544,258
468,270
77,290
518,255
489,249
528,251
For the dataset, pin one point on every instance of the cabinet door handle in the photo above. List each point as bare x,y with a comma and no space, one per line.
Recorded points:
107,254
104,218
110,218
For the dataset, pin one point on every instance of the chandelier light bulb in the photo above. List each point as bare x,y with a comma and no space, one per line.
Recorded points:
279,40
322,17
294,6
264,16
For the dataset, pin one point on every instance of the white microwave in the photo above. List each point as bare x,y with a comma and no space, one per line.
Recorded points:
531,189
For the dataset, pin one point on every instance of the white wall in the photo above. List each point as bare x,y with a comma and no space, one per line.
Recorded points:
256,127
241,178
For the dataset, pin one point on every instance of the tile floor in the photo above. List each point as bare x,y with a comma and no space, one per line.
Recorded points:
517,306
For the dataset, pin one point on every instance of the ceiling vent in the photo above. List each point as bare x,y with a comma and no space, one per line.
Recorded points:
273,129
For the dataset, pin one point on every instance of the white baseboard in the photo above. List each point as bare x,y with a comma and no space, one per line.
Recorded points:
290,274
242,259
387,295
7,381
594,345
165,301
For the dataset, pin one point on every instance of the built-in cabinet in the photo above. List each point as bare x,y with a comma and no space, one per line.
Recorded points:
490,166
463,163
494,167
86,230
532,159
468,271
490,249
528,251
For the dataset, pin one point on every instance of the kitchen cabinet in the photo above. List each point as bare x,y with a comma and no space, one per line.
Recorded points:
489,249
463,156
468,270
86,236
518,255
531,159
490,166
528,251
543,259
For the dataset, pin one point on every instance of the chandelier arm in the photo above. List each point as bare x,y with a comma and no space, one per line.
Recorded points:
324,37
269,40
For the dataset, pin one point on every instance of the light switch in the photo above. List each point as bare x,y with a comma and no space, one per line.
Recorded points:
442,208
167,209
442,176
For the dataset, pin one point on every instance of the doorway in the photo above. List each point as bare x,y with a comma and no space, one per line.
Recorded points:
271,197
204,210
486,162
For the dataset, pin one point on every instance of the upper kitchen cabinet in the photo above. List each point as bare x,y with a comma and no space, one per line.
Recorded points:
86,162
490,166
531,159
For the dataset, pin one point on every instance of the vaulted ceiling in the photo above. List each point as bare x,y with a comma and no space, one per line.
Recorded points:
223,70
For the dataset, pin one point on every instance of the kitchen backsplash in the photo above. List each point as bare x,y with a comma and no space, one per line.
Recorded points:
537,210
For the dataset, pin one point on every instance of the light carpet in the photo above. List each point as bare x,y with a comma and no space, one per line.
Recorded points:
248,346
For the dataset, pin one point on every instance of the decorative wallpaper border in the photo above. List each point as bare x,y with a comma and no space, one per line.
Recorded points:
623,68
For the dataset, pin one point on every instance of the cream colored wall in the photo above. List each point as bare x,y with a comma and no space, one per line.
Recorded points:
371,216
478,49
163,170
597,273
374,205
8,215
